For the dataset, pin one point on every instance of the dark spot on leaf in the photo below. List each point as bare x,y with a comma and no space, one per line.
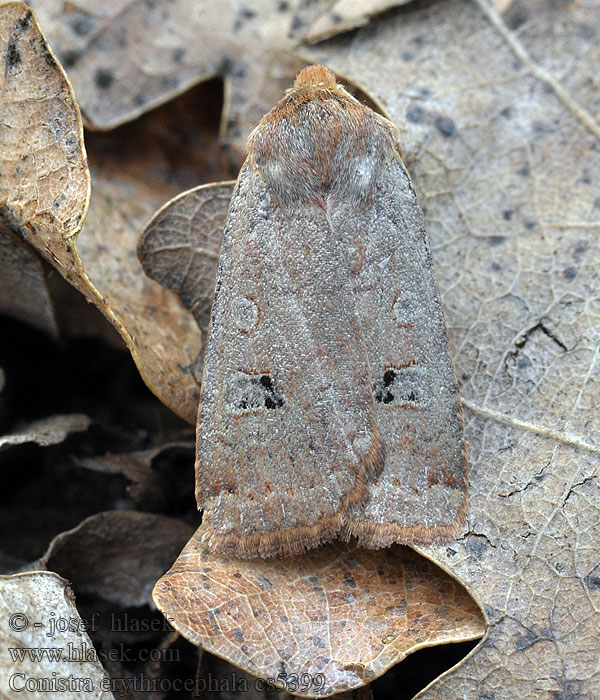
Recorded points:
69,58
283,6
244,15
528,639
516,17
318,642
297,23
104,78
586,178
170,82
496,240
523,362
81,24
225,66
529,225
476,545
570,273
139,100
525,170
415,114
592,580
13,55
239,635
587,31
48,57
597,203
245,649
445,126
349,580
178,54
380,571
407,57
22,24
506,112
507,214
314,580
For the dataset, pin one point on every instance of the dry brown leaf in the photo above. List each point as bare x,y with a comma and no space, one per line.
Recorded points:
180,246
117,555
135,170
47,431
128,187
339,611
124,59
44,182
31,604
506,162
148,488
24,294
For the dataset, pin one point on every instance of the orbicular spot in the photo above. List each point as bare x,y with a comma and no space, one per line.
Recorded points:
245,313
254,392
401,311
401,385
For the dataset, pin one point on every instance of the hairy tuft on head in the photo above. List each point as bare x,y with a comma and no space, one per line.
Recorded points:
314,77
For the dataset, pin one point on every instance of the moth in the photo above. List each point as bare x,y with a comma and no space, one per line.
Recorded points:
329,405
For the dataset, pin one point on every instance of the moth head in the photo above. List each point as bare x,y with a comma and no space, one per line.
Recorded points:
320,145
315,77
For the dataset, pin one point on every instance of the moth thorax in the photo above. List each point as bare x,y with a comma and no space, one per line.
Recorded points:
324,152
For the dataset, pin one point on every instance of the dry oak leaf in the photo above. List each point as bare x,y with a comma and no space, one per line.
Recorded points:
181,244
29,605
117,555
125,58
44,190
47,431
148,488
44,181
341,614
503,128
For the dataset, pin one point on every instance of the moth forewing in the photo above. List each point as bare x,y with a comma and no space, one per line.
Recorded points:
329,401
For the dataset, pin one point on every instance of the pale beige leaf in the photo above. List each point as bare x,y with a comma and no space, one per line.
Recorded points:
44,181
346,14
47,431
340,614
41,133
125,58
503,139
31,605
